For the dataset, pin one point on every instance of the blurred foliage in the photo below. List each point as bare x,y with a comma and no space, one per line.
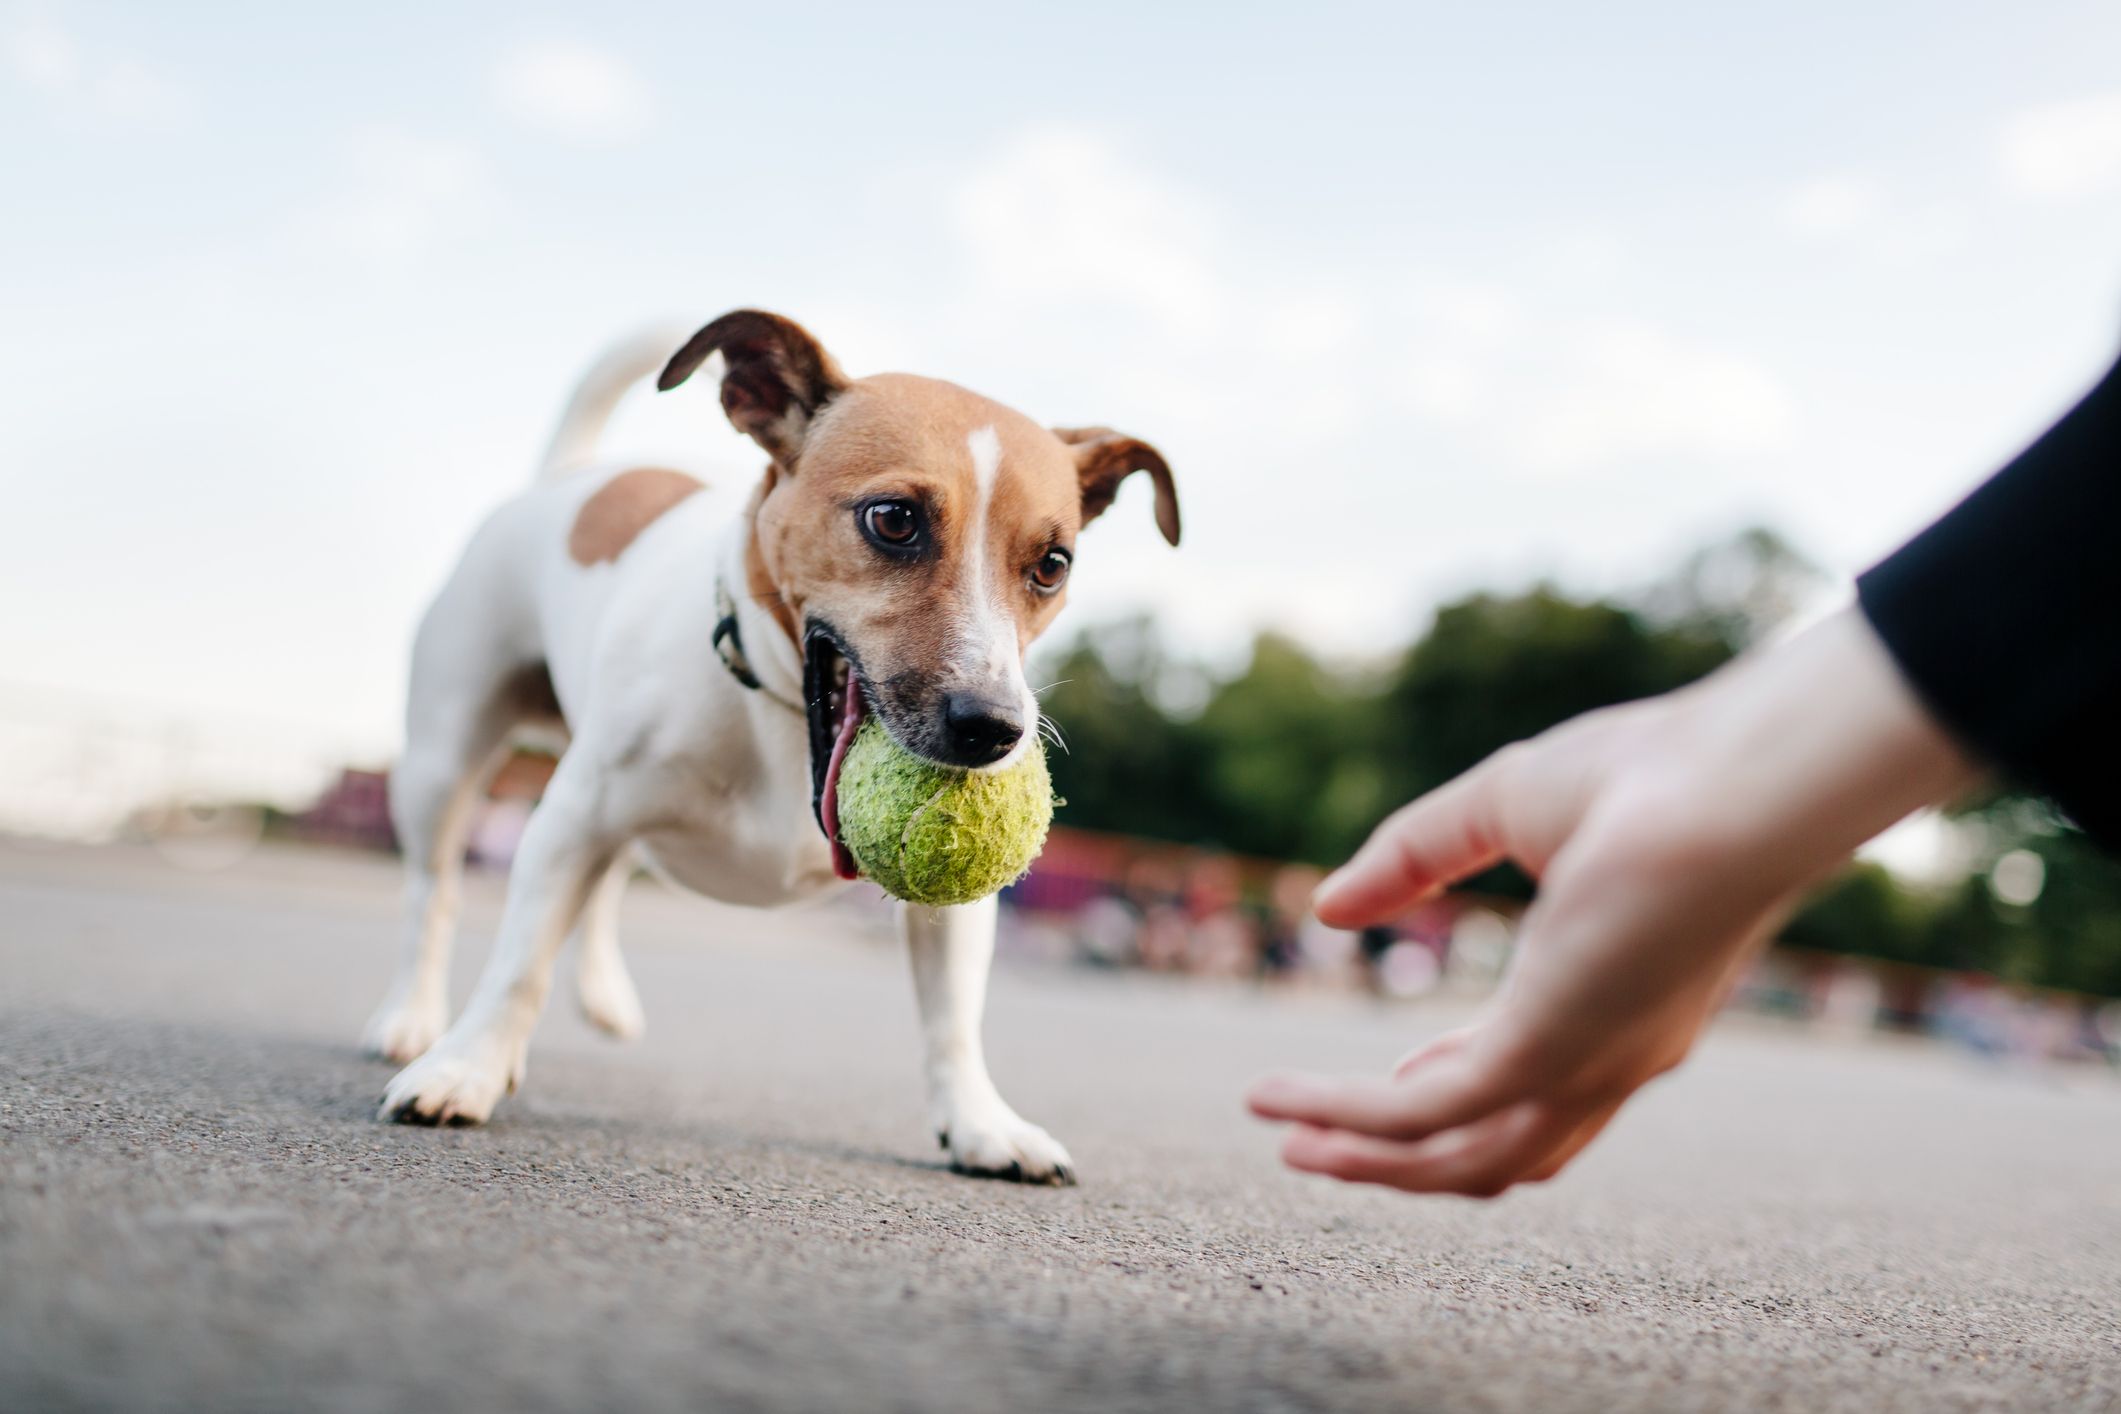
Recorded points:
1867,912
1295,757
2068,936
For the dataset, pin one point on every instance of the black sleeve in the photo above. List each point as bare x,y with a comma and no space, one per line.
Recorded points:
2006,615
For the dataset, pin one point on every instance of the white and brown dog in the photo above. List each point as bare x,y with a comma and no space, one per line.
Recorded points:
709,664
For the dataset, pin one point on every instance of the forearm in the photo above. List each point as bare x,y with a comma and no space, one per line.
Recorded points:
1814,746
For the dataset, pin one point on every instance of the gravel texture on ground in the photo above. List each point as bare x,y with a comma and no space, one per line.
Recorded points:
199,1210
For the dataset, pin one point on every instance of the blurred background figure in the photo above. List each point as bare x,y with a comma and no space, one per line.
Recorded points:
1287,920
1153,888
1222,938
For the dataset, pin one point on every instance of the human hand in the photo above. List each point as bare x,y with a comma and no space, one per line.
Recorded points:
1670,837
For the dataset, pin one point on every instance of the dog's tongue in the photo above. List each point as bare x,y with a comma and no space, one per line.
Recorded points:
829,805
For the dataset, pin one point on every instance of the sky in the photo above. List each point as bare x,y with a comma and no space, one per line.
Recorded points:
1415,299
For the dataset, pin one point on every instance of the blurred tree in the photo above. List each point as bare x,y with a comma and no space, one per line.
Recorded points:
1739,589
1866,911
1496,670
1123,763
2067,935
1287,748
1292,759
2075,923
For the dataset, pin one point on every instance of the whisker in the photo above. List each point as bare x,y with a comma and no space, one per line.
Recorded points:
1051,731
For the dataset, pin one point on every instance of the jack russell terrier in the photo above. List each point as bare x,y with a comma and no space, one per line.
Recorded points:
709,666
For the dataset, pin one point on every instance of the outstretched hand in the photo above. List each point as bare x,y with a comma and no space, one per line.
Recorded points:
1670,837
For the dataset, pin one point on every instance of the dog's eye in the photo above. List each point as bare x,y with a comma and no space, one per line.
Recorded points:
1050,572
895,525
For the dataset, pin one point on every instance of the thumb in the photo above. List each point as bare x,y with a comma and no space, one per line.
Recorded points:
1445,835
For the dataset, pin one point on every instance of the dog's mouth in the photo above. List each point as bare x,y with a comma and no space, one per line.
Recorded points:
832,687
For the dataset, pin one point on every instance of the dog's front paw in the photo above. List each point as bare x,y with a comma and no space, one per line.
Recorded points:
998,1143
453,1083
403,1029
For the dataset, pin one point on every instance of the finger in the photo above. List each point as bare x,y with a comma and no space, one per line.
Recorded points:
1479,1161
1447,834
1352,1158
1444,1096
1512,1157
1446,1044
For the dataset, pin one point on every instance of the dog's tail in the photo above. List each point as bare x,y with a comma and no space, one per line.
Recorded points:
596,397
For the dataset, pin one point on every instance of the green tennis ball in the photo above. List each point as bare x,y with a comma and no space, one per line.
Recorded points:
938,835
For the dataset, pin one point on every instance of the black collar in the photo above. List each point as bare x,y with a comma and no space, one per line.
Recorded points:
729,646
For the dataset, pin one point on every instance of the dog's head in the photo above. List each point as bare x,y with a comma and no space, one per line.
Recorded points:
913,537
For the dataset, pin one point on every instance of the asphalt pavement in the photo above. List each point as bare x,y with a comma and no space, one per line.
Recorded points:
198,1209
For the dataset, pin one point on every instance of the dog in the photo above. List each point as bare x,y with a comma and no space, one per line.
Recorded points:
706,665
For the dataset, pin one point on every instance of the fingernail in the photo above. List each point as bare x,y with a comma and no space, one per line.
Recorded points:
1300,1149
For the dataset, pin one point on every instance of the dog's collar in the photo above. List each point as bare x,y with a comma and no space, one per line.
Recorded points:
729,647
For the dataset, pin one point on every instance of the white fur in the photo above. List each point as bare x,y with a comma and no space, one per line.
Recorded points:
989,649
985,444
597,396
951,948
669,755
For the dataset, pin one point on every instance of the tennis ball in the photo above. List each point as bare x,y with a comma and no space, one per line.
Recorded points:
938,835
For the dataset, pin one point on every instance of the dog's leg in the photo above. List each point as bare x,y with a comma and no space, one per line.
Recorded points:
951,949
605,988
564,851
433,791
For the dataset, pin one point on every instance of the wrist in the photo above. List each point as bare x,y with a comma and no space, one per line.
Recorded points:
1821,743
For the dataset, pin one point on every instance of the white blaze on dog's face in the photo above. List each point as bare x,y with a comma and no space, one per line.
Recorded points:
918,531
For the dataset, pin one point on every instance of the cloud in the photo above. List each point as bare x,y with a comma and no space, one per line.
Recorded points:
1828,207
1561,396
403,194
118,88
127,88
1196,325
1058,215
1464,327
1619,390
44,57
1060,228
2067,149
574,90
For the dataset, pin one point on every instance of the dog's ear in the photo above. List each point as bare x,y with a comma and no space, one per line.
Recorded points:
777,378
1104,458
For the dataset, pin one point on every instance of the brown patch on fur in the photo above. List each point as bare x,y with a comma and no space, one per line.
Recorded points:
523,776
622,508
529,693
1104,458
756,580
776,377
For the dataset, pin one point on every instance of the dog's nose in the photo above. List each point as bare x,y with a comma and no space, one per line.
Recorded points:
980,729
